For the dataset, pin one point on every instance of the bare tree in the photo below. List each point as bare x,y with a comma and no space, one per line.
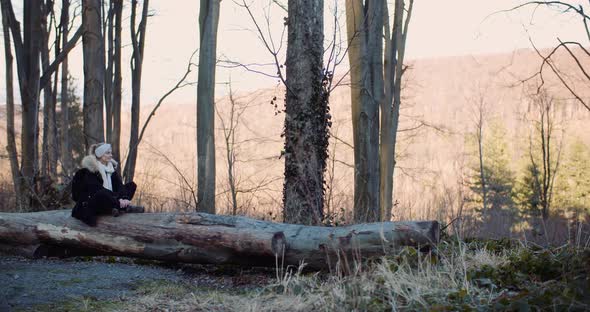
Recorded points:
49,151
109,60
306,105
545,125
27,49
138,43
376,83
66,156
479,114
10,134
229,135
208,22
395,47
93,47
579,58
117,81
364,28
28,53
306,122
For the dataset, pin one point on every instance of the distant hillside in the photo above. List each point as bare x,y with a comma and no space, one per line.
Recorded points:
439,98
438,104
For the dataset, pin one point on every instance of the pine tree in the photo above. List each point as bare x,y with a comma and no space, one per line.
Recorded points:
573,184
499,178
499,181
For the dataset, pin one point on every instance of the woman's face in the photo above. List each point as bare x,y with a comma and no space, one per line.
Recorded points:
106,158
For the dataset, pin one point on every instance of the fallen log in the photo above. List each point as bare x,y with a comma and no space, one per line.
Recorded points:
205,238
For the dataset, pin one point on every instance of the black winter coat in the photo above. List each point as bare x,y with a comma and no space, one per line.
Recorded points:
91,197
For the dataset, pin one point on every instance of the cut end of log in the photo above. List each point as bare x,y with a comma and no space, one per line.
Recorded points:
279,244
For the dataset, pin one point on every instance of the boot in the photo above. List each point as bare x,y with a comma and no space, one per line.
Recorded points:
134,209
116,212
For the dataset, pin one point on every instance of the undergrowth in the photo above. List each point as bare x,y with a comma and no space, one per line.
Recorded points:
473,275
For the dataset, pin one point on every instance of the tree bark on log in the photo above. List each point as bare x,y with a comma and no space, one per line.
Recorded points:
205,238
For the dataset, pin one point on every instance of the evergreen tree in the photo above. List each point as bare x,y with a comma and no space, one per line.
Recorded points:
499,178
573,182
527,192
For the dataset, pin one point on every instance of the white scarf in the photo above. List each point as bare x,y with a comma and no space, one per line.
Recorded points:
105,173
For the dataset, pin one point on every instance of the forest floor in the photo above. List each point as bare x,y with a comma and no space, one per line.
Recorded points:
111,283
457,275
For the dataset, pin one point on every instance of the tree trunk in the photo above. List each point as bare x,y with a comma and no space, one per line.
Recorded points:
401,38
206,238
108,82
364,28
229,134
93,47
66,151
354,24
48,154
10,135
208,22
28,53
29,85
306,123
386,156
479,135
117,83
138,42
369,202
390,108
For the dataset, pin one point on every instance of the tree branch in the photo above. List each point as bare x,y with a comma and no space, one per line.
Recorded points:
177,86
45,78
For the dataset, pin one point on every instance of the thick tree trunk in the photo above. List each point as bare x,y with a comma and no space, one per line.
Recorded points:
355,33
29,84
372,81
306,123
354,22
364,28
208,22
206,238
93,47
28,52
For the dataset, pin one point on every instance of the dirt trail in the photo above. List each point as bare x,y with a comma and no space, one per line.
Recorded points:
25,283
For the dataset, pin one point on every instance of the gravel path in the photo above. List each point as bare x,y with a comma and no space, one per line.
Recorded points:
31,282
25,283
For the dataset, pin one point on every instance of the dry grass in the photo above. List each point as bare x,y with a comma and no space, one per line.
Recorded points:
464,276
406,281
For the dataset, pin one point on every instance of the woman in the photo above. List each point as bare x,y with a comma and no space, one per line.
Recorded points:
97,188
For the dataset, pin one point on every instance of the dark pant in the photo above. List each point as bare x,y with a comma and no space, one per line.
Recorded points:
101,203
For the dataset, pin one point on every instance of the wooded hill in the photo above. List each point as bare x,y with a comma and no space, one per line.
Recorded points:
438,101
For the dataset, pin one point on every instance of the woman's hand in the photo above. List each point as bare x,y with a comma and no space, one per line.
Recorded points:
124,203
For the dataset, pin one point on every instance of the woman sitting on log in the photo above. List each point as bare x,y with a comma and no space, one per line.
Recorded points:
97,188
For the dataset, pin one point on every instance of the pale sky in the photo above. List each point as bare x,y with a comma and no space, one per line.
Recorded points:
438,28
